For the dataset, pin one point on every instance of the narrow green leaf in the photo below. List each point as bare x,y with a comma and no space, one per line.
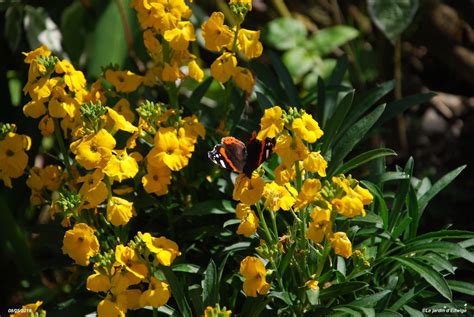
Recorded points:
401,227
210,207
407,297
285,78
178,292
186,268
442,234
264,101
428,274
370,300
413,312
346,311
439,263
285,297
286,259
209,285
402,192
439,186
73,30
413,212
13,26
392,176
375,190
267,83
353,137
341,289
461,287
364,158
194,101
335,122
441,247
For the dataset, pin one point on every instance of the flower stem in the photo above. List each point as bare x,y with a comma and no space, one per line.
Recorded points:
155,312
264,223
62,147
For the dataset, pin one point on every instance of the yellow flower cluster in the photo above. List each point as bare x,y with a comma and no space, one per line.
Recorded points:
301,186
167,33
119,272
32,309
228,42
13,158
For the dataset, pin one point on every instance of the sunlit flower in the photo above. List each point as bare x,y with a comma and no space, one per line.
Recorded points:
119,122
249,220
349,206
244,79
341,244
93,190
164,249
74,79
121,166
98,282
194,71
170,72
320,227
253,270
307,128
80,243
193,127
279,197
224,67
128,258
157,179
28,310
123,107
249,44
309,193
271,123
290,149
248,190
123,81
111,307
315,163
215,33
40,51
35,108
181,35
119,211
13,158
167,150
156,295
94,150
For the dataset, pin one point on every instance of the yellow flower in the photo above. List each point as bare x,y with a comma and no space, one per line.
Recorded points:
349,206
35,108
94,150
13,159
123,81
244,79
119,122
111,307
119,211
40,51
42,88
315,163
253,270
364,195
307,128
164,249
290,149
193,127
217,311
93,190
61,104
215,33
249,44
312,284
249,220
80,243
128,258
321,224
195,72
29,309
284,174
248,190
157,179
271,123
279,197
170,72
132,298
123,107
46,126
51,176
180,36
98,282
224,67
341,244
167,150
309,192
74,79
121,166
156,295
151,43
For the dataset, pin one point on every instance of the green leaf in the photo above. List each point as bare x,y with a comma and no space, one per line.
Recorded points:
13,27
392,176
36,24
299,61
335,122
15,85
194,101
286,259
442,234
328,39
428,274
413,212
346,311
209,285
461,287
284,33
353,137
285,297
370,300
108,44
341,289
439,263
285,78
210,207
407,297
186,268
413,312
263,101
73,29
402,192
401,227
440,247
438,186
392,17
178,291
375,190
364,158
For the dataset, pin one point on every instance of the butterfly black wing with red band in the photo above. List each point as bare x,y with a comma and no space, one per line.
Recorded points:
234,155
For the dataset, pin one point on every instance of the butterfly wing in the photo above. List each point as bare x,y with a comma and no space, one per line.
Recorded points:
257,153
231,154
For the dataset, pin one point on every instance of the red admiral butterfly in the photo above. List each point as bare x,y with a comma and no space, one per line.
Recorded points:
234,155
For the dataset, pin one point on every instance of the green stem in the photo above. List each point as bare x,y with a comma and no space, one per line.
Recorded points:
322,260
62,147
155,312
275,228
281,7
264,223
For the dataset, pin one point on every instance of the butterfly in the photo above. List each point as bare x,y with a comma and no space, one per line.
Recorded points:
235,155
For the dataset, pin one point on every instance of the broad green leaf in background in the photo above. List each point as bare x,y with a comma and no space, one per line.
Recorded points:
108,44
13,28
284,33
210,285
392,17
73,30
328,39
299,61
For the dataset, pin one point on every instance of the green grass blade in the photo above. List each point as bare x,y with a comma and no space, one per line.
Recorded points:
364,158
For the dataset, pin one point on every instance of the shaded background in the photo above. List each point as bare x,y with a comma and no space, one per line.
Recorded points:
436,54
